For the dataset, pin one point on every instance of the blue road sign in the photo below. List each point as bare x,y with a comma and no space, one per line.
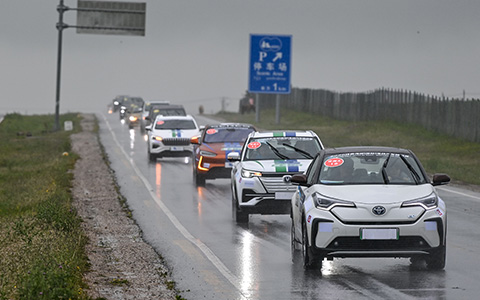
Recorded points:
270,64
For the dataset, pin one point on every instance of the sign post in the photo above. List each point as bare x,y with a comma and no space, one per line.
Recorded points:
99,17
270,64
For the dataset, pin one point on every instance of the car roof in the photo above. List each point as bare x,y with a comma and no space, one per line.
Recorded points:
380,149
284,133
189,117
229,125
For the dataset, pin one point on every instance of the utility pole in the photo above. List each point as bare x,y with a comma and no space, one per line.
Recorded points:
60,26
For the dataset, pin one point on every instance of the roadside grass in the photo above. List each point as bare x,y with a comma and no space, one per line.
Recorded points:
438,153
41,241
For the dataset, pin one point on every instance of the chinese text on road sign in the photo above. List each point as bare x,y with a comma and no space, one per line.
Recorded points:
270,64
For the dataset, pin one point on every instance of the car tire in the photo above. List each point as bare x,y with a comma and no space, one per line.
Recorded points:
198,178
437,258
152,157
237,214
296,254
309,261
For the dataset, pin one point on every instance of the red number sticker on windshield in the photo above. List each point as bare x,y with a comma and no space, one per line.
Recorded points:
160,122
334,162
211,131
254,145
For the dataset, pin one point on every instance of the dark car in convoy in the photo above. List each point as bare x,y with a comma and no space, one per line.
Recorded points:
164,110
212,147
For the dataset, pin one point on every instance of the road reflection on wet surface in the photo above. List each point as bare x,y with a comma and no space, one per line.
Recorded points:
214,258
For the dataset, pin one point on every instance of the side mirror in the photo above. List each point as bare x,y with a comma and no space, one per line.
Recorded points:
148,128
233,156
440,179
195,140
300,179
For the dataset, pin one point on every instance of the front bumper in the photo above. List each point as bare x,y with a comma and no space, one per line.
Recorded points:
332,238
265,195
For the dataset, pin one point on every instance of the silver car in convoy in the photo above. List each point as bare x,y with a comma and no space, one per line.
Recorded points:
261,173
368,202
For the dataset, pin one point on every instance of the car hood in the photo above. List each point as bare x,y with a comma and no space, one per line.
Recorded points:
276,166
378,194
224,147
176,133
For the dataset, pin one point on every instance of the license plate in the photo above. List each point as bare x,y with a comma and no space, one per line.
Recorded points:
176,148
379,234
283,195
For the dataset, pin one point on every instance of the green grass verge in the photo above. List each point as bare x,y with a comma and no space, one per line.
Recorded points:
41,241
438,153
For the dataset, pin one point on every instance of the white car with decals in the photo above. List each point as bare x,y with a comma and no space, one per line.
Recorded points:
260,177
169,136
368,202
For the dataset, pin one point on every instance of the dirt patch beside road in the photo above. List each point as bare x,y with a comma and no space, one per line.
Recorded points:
123,266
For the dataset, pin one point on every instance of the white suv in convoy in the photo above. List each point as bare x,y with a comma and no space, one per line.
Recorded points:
260,177
368,202
169,136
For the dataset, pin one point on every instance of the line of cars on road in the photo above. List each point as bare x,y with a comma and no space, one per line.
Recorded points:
360,201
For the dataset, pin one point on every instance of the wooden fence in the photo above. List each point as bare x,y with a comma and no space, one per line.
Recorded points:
455,117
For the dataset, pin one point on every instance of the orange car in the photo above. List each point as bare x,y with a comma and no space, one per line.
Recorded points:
212,147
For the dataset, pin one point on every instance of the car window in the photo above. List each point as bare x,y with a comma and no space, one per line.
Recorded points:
219,135
312,170
175,124
282,148
370,168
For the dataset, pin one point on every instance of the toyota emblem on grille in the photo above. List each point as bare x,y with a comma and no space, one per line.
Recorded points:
379,210
287,178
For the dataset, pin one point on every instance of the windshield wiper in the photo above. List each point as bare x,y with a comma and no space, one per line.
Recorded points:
384,170
303,152
416,177
277,153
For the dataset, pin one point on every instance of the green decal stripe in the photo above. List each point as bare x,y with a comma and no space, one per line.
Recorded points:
281,168
278,134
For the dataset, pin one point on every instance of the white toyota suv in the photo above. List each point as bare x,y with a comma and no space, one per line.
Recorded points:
368,202
169,136
260,177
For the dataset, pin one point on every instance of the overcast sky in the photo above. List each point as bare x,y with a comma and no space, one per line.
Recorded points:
197,51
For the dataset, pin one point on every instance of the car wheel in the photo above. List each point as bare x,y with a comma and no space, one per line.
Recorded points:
199,179
152,157
238,216
309,262
294,245
437,258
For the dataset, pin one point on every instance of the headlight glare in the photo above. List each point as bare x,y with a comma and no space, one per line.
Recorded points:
250,174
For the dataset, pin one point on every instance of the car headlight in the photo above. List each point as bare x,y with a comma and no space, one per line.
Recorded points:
132,118
250,174
207,153
157,138
326,203
428,202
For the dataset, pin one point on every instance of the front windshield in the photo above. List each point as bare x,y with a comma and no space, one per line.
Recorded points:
282,148
220,135
371,168
175,124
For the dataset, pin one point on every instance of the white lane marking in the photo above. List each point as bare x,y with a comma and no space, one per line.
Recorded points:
207,251
458,193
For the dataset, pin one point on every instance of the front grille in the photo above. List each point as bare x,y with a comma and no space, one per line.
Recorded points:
275,183
176,141
356,244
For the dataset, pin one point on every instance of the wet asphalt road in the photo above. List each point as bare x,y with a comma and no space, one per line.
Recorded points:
211,257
